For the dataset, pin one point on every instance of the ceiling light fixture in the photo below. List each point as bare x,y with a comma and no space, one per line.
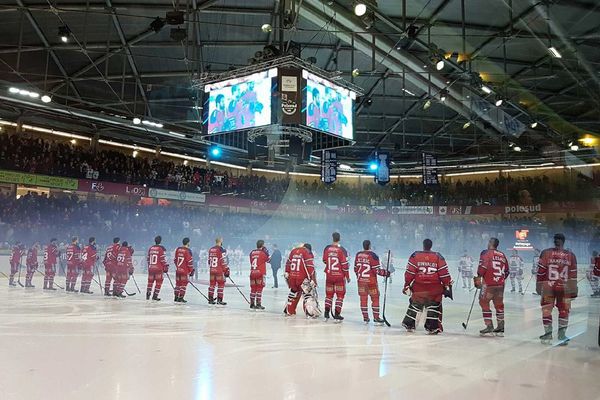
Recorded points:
63,33
534,124
46,99
555,53
486,89
360,8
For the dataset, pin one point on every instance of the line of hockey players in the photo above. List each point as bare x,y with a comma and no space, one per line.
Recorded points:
427,278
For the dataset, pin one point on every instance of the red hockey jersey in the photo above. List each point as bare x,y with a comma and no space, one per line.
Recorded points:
556,267
50,254
427,271
184,261
335,259
367,266
301,264
157,259
73,255
597,266
16,254
89,256
32,258
110,256
493,267
217,260
124,260
259,259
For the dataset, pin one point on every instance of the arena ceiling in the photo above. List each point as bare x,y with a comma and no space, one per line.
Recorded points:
117,64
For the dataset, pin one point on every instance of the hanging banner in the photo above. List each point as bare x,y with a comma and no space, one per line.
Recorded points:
21,178
382,176
329,166
175,195
500,120
430,173
120,189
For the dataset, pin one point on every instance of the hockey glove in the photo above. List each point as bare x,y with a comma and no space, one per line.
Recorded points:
131,272
406,290
477,282
165,269
226,273
192,272
448,292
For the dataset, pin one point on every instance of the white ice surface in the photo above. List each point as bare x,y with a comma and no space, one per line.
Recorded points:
87,347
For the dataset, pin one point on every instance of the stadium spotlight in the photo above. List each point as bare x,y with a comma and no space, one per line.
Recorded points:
486,89
215,152
355,72
360,8
13,90
534,124
443,95
135,153
555,53
373,166
517,148
46,99
574,147
427,104
467,125
63,33
137,121
267,28
440,65
499,101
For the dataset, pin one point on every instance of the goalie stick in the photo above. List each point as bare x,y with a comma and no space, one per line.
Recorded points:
387,268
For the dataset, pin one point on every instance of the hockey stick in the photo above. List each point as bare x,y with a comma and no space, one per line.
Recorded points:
54,283
170,281
125,290
464,325
195,287
99,280
3,274
387,269
527,286
19,278
136,285
238,289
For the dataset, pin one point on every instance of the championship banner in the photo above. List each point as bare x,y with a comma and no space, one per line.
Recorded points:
430,175
329,166
20,178
120,189
175,195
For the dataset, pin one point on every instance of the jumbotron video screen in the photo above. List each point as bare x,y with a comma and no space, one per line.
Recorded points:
329,107
240,103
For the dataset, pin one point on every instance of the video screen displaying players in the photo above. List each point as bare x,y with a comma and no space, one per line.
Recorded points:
240,103
329,108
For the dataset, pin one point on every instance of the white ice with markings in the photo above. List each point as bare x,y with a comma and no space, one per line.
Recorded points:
56,345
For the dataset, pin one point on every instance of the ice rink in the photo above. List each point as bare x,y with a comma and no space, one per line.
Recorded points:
74,346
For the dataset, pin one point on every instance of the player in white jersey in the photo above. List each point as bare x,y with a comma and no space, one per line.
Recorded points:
465,268
593,279
515,264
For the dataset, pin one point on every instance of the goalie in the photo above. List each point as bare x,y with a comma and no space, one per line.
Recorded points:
301,279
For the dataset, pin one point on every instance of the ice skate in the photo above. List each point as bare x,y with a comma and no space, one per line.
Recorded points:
155,298
221,303
409,329
182,300
366,320
326,316
338,318
259,307
378,321
488,330
434,331
563,340
148,295
546,338
499,331
596,294
211,301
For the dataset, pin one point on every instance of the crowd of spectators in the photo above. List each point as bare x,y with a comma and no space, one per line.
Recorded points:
36,155
35,217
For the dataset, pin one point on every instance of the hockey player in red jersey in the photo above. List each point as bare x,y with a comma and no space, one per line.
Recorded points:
259,258
89,256
184,264
123,269
426,279
491,274
298,268
32,264
15,261
110,264
219,270
50,259
73,264
367,267
157,266
335,258
557,284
